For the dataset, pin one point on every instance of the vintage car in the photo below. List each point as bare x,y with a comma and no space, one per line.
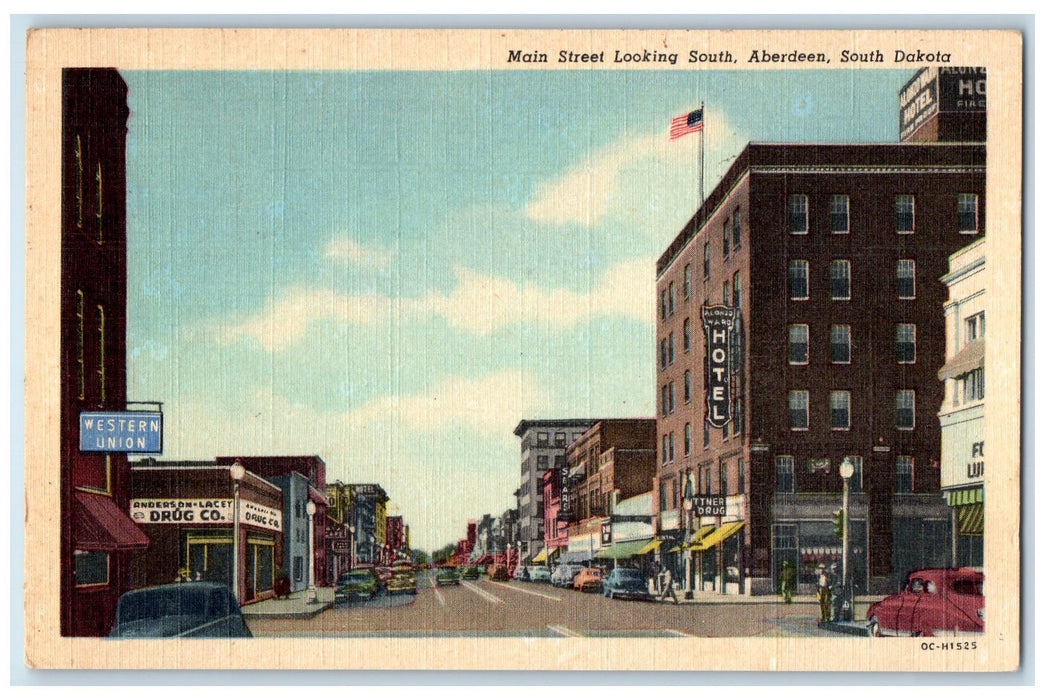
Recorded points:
448,576
357,584
470,573
191,609
588,580
564,574
403,580
521,574
497,572
933,602
626,583
539,574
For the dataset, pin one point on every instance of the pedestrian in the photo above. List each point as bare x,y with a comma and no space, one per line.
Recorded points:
666,586
823,594
787,581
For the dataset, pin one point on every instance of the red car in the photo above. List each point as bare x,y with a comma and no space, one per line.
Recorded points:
588,580
933,602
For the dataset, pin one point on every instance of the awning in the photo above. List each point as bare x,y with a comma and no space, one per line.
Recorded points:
970,520
653,544
575,557
968,358
543,555
99,525
812,555
964,497
719,535
700,534
624,550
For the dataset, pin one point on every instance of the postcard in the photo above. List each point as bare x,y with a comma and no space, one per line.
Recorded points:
523,350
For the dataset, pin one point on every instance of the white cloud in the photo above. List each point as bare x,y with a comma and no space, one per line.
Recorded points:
346,249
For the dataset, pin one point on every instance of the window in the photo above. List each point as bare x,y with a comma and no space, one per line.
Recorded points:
840,344
91,568
725,294
80,366
839,213
671,298
707,435
671,397
839,271
542,439
740,476
798,279
687,386
664,400
785,474
664,449
299,565
664,304
101,353
736,228
904,474
542,463
798,344
687,281
856,481
972,385
687,439
707,260
664,495
968,207
560,439
738,416
736,289
687,335
905,409
905,343
664,353
839,410
975,326
798,213
905,279
671,348
725,239
723,478
671,447
798,405
905,213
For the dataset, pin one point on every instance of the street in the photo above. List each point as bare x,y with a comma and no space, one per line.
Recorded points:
523,609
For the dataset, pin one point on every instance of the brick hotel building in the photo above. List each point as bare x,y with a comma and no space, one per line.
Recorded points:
832,255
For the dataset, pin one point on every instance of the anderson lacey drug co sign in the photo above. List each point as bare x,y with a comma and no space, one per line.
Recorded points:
121,431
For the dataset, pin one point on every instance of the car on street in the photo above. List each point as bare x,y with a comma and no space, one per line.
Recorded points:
564,574
448,576
497,572
521,574
191,609
626,583
588,580
403,580
357,584
932,602
540,574
470,573
384,574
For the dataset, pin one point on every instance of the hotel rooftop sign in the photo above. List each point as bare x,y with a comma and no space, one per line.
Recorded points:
140,432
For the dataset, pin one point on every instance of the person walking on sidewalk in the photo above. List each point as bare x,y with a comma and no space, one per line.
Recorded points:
666,585
787,582
823,594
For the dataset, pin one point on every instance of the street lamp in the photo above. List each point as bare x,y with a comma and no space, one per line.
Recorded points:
237,472
846,470
687,504
310,508
352,546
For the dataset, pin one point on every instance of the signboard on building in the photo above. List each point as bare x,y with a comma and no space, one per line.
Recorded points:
202,511
718,335
565,506
962,451
935,90
709,506
140,432
606,536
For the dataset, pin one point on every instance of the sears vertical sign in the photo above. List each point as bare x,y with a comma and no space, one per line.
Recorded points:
718,336
140,432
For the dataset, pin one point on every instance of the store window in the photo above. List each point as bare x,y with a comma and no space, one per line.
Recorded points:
798,344
798,406
841,350
785,474
798,279
905,288
91,568
905,409
905,213
840,213
905,343
904,474
968,210
209,556
798,213
840,287
259,565
839,405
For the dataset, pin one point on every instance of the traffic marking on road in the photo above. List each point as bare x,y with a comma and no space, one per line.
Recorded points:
564,631
523,590
486,595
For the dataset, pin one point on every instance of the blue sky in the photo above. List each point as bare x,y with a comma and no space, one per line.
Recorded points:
391,269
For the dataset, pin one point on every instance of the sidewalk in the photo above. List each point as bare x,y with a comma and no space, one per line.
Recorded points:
716,598
294,606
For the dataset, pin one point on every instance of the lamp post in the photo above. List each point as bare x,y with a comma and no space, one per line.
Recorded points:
687,504
237,472
352,547
846,470
310,508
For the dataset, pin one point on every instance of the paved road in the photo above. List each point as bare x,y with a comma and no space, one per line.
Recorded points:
490,608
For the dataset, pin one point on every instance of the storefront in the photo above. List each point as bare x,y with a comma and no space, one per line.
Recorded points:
194,517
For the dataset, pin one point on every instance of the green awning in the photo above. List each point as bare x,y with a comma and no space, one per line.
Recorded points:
624,550
964,497
970,520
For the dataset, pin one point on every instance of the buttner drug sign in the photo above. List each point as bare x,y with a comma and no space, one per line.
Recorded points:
718,335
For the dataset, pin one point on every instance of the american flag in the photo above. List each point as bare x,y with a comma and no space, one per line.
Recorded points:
687,123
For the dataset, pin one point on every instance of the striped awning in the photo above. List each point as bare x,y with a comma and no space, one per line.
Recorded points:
700,534
719,535
964,497
542,557
970,520
653,544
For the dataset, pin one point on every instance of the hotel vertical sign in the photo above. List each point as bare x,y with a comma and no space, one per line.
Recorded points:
718,336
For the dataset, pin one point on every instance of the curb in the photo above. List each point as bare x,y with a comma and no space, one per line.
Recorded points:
855,629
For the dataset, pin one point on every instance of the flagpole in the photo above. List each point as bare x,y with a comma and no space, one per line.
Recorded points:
704,128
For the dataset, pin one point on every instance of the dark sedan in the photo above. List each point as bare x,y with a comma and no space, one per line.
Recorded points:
196,609
625,583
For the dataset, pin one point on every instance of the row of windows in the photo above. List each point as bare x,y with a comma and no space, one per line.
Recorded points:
81,366
731,295
840,279
667,446
841,343
731,237
839,405
672,488
560,439
903,210
904,473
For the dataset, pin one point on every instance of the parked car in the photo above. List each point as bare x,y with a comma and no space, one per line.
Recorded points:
403,580
470,573
497,572
588,580
192,609
564,574
521,574
384,574
448,576
932,602
540,574
625,583
357,584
